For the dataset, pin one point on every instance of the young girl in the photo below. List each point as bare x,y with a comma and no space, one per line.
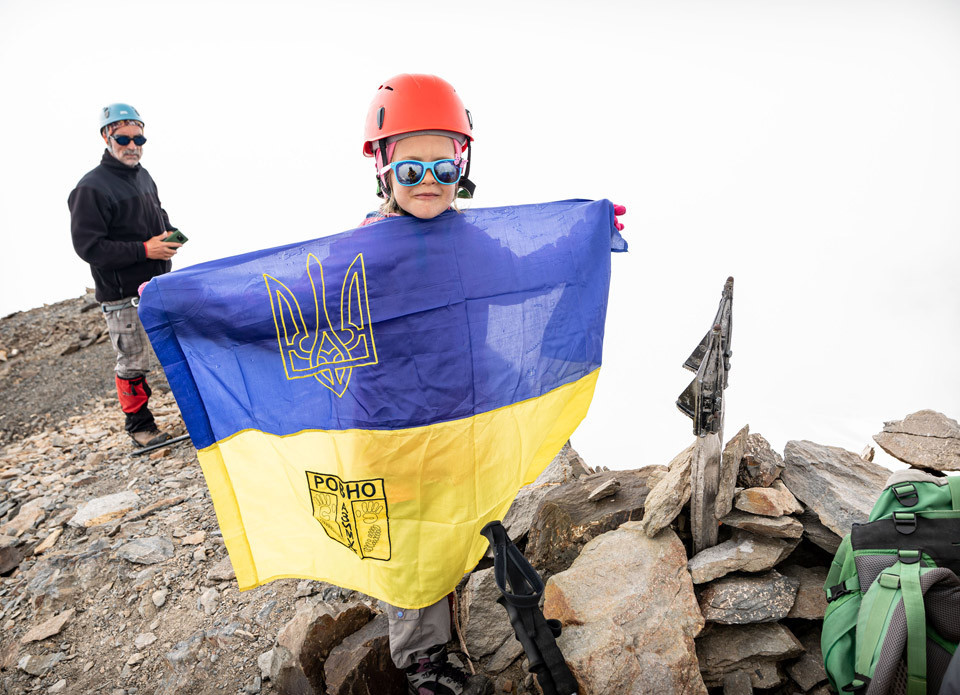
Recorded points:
417,131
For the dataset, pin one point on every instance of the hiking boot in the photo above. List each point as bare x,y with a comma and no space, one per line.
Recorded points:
145,438
433,674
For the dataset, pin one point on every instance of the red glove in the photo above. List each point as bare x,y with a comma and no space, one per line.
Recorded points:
617,211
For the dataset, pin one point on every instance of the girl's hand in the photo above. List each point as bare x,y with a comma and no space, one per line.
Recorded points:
617,211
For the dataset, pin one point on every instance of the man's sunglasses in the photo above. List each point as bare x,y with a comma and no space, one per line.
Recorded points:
410,172
124,140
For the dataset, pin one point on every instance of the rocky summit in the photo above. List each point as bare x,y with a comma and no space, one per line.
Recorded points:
114,577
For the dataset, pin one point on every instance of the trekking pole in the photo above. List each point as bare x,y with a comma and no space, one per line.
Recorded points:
521,588
175,440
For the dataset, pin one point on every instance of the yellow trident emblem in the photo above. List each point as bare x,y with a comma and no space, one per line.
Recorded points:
327,353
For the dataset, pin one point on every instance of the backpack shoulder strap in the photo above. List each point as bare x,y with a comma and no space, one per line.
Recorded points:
954,483
901,582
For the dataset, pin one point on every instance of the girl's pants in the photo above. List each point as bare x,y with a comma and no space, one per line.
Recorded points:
413,631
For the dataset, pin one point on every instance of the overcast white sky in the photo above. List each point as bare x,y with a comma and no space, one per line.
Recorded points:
809,148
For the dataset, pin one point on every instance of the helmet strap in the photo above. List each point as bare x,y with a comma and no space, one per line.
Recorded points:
467,187
383,190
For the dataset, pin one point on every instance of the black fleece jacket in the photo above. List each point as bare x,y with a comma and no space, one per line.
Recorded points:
113,210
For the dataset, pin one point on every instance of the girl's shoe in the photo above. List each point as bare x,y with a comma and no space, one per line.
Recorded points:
433,674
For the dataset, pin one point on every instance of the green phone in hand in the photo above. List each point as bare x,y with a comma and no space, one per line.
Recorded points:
176,236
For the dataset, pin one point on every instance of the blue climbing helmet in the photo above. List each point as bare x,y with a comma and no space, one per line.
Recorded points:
118,112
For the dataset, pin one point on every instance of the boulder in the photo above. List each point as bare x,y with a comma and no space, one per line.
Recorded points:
567,520
486,630
818,534
743,552
811,603
668,496
629,614
777,527
361,664
808,671
760,465
304,643
566,466
729,468
737,683
925,439
730,648
838,485
768,501
739,600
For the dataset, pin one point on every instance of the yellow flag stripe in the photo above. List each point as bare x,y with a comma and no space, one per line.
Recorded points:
405,523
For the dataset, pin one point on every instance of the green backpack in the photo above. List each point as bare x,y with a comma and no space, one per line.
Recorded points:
893,615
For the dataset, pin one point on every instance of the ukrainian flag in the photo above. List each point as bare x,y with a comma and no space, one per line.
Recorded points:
362,404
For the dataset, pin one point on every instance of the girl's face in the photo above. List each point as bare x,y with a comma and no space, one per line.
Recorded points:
428,198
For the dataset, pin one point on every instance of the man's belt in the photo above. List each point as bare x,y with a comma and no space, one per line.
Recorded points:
106,307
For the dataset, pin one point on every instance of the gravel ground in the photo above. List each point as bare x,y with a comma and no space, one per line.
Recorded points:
53,360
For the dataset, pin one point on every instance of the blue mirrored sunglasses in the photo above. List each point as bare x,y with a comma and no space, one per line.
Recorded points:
410,172
124,140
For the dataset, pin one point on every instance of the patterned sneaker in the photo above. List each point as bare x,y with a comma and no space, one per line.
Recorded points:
433,674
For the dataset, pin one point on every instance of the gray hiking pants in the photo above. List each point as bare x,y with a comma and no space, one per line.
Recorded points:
129,340
413,631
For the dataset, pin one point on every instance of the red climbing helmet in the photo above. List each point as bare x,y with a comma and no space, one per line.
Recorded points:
411,103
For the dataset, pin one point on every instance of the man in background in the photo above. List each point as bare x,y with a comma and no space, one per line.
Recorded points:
118,227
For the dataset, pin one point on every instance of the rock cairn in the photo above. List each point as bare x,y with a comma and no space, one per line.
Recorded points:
114,578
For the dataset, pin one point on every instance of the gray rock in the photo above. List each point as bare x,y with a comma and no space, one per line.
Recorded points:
668,496
222,571
159,597
269,664
11,555
776,527
605,489
209,601
566,520
808,671
730,648
629,615
740,600
839,486
144,640
105,509
818,534
147,551
761,465
485,627
37,665
737,683
361,664
729,468
566,466
925,439
811,603
744,552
